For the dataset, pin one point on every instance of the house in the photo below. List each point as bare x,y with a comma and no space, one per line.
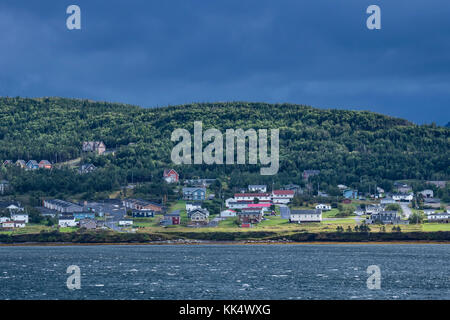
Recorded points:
263,206
249,216
373,208
32,165
282,196
45,164
86,168
293,187
89,224
17,216
439,184
83,215
384,217
19,224
125,223
138,204
359,211
323,207
198,194
304,216
403,197
380,191
62,206
8,225
310,173
228,213
145,213
21,163
432,202
94,146
7,163
262,197
428,212
199,215
427,193
350,194
4,219
236,205
257,188
342,187
172,218
4,186
67,221
439,217
448,209
192,205
171,176
11,207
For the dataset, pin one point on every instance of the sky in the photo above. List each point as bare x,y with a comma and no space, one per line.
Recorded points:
157,53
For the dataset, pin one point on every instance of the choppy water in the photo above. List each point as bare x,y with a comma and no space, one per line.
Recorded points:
226,272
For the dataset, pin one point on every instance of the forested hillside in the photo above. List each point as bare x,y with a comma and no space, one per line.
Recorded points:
351,147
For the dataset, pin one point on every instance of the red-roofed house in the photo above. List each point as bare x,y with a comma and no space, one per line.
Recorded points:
282,196
171,176
45,164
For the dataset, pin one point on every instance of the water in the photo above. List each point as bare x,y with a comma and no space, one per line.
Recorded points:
226,272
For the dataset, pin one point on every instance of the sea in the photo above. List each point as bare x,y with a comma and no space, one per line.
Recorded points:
226,271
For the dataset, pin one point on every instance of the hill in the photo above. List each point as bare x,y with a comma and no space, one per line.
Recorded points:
357,148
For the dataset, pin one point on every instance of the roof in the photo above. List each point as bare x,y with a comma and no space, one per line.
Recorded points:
283,192
248,212
168,171
308,211
432,200
175,213
257,186
61,203
44,162
258,205
252,195
192,189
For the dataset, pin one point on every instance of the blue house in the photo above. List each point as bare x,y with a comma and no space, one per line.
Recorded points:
198,194
32,164
350,194
83,215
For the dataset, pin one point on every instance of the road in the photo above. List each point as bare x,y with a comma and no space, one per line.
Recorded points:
406,210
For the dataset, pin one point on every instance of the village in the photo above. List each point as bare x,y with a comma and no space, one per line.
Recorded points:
253,207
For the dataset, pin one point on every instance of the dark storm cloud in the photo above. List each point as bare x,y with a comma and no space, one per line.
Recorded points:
168,52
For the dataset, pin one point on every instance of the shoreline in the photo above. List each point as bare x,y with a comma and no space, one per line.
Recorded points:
207,242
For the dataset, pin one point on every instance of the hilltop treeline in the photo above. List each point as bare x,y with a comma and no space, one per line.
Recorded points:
356,148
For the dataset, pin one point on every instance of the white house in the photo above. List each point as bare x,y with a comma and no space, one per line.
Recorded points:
303,216
228,213
262,197
68,221
19,217
257,188
192,206
439,217
323,207
8,224
282,196
19,224
125,223
4,219
427,193
402,196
